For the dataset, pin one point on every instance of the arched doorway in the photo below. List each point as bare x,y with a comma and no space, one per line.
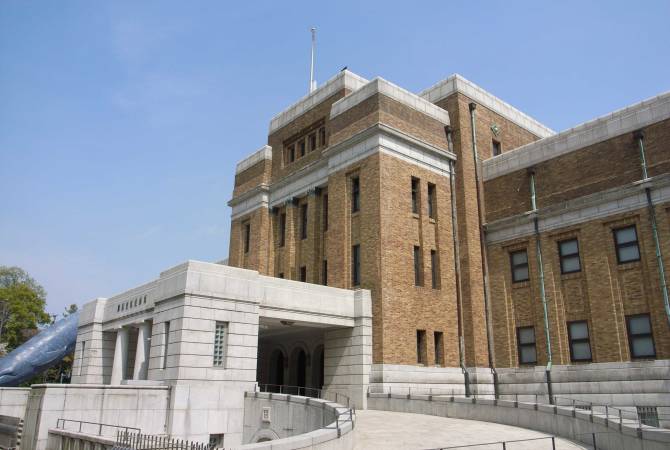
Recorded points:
276,369
300,371
318,368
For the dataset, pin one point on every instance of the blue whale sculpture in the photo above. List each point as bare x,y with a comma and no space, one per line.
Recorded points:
40,352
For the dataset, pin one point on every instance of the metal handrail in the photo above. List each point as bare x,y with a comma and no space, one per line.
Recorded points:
62,422
322,394
503,443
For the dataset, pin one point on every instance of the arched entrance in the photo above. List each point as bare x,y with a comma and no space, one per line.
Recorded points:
277,368
298,374
318,368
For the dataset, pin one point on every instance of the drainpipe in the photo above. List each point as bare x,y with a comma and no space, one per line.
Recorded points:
482,248
538,253
457,264
639,136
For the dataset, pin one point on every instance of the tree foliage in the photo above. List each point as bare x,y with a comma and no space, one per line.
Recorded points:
22,303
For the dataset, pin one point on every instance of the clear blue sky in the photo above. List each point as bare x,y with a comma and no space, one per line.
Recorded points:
121,122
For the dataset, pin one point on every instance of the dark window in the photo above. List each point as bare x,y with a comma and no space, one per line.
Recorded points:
325,212
525,337
421,346
415,195
627,249
355,194
220,343
434,271
166,340
281,274
312,142
303,274
303,221
519,262
432,206
322,136
356,265
496,148
324,273
247,236
282,229
439,348
580,346
568,252
648,415
291,153
301,147
640,337
418,281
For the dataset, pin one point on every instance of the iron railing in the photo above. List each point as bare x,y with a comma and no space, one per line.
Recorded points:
503,444
139,441
82,425
620,415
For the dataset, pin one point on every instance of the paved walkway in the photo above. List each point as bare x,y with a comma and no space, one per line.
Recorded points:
393,430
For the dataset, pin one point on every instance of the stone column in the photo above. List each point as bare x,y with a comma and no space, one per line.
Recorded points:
142,352
120,356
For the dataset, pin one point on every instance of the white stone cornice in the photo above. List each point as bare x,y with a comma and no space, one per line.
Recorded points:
584,209
343,80
457,83
625,120
249,201
382,86
263,153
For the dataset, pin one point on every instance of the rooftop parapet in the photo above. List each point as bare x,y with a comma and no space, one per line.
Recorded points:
343,80
614,124
456,83
382,86
265,152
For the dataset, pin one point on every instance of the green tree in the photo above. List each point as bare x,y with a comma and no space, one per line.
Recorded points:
22,303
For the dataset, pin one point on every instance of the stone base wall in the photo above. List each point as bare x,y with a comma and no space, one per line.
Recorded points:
13,401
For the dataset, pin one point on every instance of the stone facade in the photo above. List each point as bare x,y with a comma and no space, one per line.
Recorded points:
474,304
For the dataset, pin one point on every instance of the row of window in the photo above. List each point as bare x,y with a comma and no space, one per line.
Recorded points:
418,268
301,146
142,300
422,347
416,197
625,243
640,340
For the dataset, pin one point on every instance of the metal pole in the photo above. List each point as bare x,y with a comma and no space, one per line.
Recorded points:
639,135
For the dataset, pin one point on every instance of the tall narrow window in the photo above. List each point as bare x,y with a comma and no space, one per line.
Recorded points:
356,265
247,236
166,342
303,221
434,270
325,212
580,346
415,195
627,249
640,337
312,142
439,348
421,346
301,147
431,201
568,251
496,148
291,153
525,337
324,273
282,229
355,194
220,340
303,274
519,262
417,266
322,136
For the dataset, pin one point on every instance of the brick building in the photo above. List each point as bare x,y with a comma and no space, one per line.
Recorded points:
427,201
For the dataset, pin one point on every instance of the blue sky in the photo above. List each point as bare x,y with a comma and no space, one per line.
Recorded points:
121,122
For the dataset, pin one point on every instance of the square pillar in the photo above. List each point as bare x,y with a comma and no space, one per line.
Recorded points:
141,367
120,356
